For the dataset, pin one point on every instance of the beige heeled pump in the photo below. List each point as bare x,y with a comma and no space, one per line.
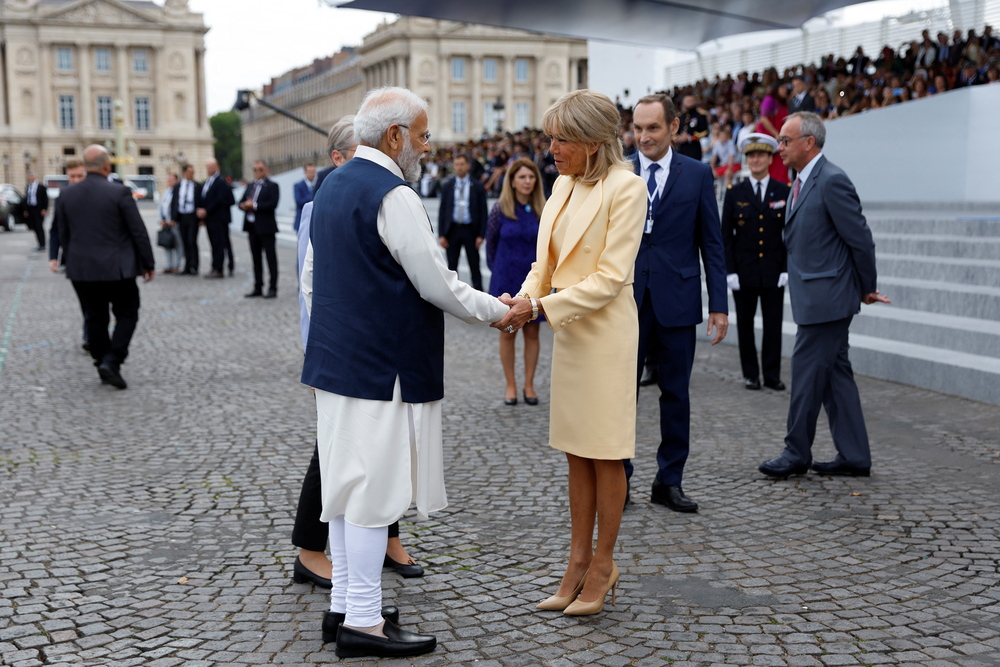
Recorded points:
556,603
581,608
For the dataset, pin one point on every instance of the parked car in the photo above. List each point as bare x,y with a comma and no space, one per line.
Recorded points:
10,206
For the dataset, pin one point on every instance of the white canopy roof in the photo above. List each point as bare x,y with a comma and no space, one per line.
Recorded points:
664,23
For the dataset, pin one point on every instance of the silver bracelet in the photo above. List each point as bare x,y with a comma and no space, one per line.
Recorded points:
534,308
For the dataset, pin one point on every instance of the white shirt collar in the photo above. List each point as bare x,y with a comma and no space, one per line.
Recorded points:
806,170
379,158
664,161
763,182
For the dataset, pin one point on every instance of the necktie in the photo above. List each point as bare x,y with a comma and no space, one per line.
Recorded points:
758,192
651,184
795,191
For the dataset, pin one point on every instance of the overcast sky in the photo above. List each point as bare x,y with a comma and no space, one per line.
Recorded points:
250,41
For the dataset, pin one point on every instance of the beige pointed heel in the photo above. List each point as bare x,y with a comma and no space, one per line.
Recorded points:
581,608
556,603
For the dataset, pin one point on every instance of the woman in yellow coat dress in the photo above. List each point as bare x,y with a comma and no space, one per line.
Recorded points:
581,280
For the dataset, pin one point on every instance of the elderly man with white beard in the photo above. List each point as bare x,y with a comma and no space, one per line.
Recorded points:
376,287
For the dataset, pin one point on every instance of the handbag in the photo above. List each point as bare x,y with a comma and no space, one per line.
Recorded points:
165,238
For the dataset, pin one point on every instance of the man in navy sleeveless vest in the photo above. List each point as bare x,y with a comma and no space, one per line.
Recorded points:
375,284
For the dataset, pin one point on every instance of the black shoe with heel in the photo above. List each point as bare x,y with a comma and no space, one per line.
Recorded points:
530,400
301,574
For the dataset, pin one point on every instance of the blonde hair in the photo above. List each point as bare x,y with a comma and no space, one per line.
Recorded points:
588,117
507,196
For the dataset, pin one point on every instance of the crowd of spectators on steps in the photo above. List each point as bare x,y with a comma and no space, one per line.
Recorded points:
758,102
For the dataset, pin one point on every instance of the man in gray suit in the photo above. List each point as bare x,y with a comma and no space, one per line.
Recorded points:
831,272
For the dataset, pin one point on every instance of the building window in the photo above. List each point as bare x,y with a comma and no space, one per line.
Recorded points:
145,152
142,113
102,60
458,117
105,113
521,115
69,150
64,59
521,70
67,112
145,171
140,61
458,69
489,70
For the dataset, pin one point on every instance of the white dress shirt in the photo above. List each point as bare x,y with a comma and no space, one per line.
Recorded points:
661,181
402,459
763,186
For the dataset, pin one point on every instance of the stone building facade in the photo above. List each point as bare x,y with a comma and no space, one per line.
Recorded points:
67,64
466,73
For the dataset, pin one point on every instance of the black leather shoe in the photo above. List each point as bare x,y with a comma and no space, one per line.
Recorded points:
271,293
110,375
407,570
397,642
648,377
302,574
510,401
837,467
333,619
530,400
752,383
776,385
673,497
254,293
782,469
215,274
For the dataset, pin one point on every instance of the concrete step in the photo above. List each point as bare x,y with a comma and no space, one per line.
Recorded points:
982,272
975,301
937,245
935,223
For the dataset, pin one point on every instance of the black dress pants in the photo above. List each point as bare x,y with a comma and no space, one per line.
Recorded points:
772,301
37,224
122,297
218,236
188,223
309,532
464,236
263,244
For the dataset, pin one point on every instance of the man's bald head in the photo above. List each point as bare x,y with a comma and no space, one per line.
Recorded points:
212,166
97,160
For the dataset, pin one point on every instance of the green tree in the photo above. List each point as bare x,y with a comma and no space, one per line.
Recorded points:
228,143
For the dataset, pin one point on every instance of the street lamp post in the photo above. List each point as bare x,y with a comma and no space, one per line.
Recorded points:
498,114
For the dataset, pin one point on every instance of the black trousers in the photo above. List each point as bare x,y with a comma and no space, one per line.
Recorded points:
309,532
218,236
263,244
122,297
464,236
772,301
188,223
37,224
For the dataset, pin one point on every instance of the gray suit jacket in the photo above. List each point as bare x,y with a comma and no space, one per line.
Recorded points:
831,254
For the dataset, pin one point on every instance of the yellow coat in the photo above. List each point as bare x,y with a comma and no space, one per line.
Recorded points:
593,313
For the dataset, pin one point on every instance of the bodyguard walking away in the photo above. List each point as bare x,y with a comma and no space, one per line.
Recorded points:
376,284
106,247
831,272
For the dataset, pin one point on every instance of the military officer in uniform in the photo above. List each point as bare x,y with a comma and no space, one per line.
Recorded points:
753,220
693,128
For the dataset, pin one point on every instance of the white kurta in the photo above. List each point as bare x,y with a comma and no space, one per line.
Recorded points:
379,457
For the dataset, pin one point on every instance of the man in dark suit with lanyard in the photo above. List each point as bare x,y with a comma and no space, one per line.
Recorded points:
462,218
753,219
36,205
214,212
259,202
682,223
831,272
106,246
183,211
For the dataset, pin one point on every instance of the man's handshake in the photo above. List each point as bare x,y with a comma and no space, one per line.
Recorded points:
518,315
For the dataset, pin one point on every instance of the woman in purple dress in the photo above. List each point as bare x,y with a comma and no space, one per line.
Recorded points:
511,236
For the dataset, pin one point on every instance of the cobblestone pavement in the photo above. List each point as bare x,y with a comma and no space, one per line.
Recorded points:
151,526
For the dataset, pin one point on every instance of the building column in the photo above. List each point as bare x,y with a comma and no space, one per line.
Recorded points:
508,92
201,102
400,72
475,127
47,108
444,104
571,78
541,99
163,115
86,95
